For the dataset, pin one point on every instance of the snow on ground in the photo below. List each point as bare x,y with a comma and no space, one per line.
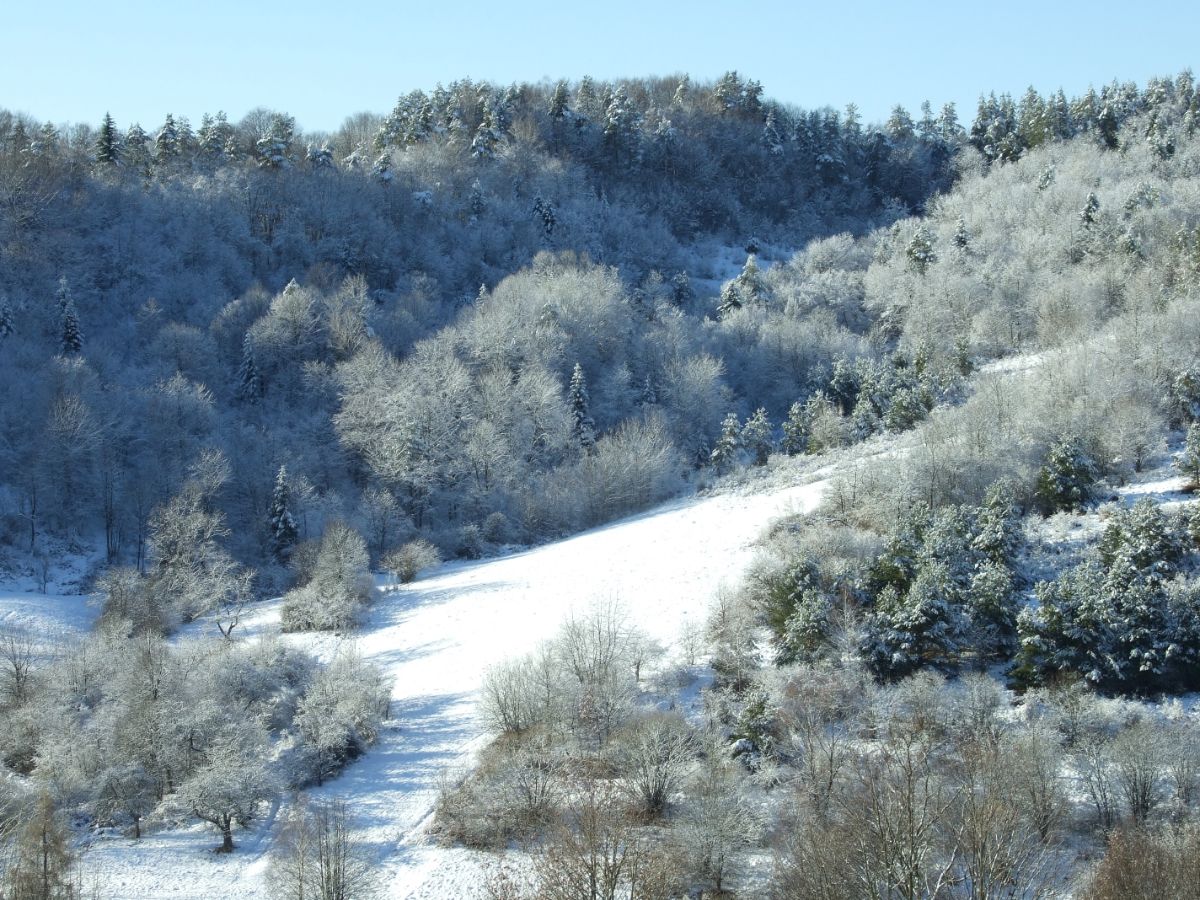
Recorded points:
436,637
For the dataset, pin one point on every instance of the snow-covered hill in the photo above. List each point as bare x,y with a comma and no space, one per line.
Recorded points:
436,638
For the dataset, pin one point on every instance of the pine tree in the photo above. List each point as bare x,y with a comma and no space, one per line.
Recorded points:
583,428
730,301
962,237
920,250
795,430
1065,480
108,149
681,289
749,282
725,452
7,325
756,436
558,102
381,170
1188,462
166,142
136,149
70,334
1090,211
249,381
282,523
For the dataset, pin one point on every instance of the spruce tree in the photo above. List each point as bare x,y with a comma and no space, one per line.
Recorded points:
795,430
166,142
558,102
70,334
730,302
108,149
749,283
756,436
282,523
249,381
1090,211
1188,462
681,289
962,237
920,250
725,451
7,326
583,428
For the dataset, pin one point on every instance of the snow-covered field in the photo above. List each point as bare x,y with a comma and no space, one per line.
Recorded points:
436,637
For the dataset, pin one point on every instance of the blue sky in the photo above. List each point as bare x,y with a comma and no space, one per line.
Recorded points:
321,61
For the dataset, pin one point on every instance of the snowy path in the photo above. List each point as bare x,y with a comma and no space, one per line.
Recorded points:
436,637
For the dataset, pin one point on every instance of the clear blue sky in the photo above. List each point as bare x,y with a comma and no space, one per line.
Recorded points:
71,60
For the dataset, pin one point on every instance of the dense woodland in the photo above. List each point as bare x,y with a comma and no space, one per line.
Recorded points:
243,361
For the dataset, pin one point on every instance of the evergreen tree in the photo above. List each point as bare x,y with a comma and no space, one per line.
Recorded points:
166,142
583,428
249,381
7,325
756,436
749,282
920,250
795,430
108,149
282,524
1065,480
725,451
558,102
136,150
962,237
70,334
925,625
681,289
274,148
1188,462
381,169
1107,127
730,300
1090,211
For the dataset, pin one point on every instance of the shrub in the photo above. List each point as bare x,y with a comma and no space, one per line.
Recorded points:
406,562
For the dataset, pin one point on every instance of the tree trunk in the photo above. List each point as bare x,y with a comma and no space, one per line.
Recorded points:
226,834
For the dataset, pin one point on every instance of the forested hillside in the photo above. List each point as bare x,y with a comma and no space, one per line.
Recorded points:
244,362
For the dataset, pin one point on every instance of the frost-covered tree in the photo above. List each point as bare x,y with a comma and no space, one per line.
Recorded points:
338,588
249,379
136,149
730,300
795,430
724,452
1066,479
1188,463
755,437
924,625
108,143
749,282
920,250
234,784
962,237
70,335
1091,210
583,427
166,142
280,519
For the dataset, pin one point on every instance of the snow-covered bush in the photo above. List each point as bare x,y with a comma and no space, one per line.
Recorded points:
407,561
339,589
